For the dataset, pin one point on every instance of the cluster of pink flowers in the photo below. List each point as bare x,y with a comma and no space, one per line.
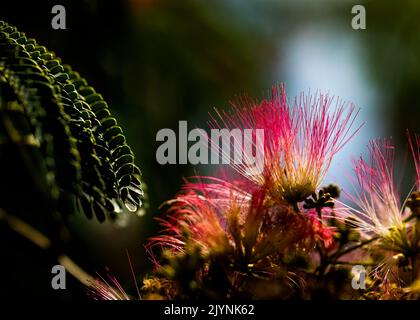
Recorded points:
301,141
276,232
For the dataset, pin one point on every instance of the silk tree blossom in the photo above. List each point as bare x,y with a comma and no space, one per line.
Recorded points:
221,218
414,201
301,139
388,226
198,210
380,210
101,289
111,289
323,233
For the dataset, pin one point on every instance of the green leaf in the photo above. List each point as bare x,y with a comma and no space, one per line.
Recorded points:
84,150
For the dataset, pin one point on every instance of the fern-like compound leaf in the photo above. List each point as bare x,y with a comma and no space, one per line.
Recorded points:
85,152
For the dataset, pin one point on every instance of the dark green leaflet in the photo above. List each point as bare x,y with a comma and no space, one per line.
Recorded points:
85,150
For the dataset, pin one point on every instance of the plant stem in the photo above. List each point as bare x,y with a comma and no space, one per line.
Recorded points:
348,250
319,212
354,263
295,207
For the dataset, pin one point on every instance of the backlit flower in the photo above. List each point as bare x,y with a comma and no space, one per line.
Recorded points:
379,206
221,218
300,140
101,289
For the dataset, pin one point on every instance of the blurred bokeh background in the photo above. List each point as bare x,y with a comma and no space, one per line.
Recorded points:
161,61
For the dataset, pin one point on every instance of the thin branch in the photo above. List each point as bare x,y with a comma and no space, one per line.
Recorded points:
43,242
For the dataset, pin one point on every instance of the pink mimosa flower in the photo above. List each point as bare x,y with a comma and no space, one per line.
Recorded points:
321,231
300,139
222,218
199,210
379,204
101,289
